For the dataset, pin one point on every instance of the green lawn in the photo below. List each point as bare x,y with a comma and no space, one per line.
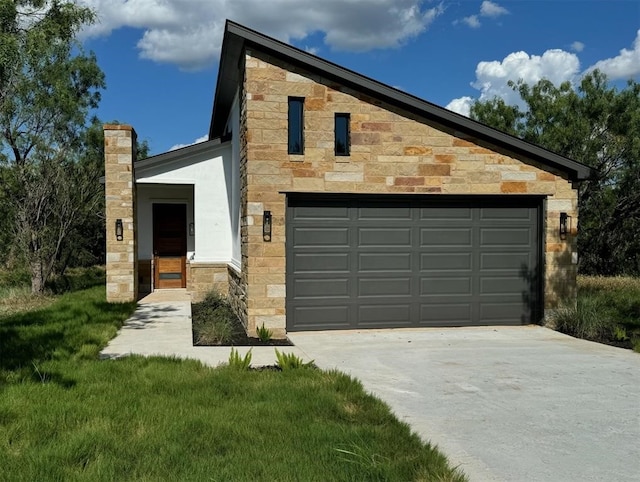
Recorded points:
64,415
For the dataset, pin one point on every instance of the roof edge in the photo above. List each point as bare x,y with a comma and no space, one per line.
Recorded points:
181,153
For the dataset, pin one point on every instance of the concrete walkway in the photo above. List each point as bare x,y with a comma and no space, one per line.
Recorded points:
161,325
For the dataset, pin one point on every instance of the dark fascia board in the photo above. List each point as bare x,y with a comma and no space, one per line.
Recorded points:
237,37
179,154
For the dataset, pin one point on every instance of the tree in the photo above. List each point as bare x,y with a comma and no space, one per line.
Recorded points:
598,125
47,86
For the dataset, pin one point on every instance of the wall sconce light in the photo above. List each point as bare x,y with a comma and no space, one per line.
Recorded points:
565,225
266,226
192,229
119,230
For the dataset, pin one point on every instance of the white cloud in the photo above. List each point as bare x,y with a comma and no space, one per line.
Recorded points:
555,65
188,33
490,9
197,141
472,21
487,9
461,105
623,66
577,46
492,77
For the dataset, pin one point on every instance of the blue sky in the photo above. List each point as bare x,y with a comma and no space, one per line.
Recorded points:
160,57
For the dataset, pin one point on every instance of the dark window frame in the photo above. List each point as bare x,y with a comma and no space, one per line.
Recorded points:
342,134
295,125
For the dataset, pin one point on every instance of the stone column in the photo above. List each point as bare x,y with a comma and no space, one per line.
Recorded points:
122,255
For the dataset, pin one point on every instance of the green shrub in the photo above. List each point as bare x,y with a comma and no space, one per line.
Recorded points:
264,333
215,331
290,361
15,277
588,320
76,279
237,362
214,322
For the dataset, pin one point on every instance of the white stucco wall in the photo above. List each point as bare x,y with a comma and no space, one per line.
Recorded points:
201,179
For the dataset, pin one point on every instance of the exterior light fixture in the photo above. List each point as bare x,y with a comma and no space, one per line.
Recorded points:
192,229
266,226
119,230
565,225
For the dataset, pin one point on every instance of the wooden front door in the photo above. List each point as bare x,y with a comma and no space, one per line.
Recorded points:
170,245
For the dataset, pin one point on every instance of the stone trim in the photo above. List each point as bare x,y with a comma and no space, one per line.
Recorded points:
120,199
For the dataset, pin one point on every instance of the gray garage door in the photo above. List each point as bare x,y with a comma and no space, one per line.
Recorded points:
384,262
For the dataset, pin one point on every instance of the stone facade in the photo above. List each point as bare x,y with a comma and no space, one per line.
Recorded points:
119,152
238,295
205,277
391,153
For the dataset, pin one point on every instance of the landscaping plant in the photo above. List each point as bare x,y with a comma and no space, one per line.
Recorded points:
213,321
238,362
290,361
264,333
607,311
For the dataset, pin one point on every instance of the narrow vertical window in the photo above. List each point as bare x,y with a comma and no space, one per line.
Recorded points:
342,134
296,125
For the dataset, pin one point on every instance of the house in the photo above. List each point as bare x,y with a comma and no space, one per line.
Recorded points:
324,199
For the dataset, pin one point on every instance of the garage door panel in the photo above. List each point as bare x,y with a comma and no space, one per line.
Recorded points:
321,237
321,288
331,212
503,313
446,237
384,237
393,262
446,214
502,214
322,317
437,313
500,260
384,212
449,286
321,263
384,286
503,285
384,315
507,237
446,261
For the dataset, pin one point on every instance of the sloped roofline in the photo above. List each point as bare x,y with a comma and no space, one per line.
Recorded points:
237,37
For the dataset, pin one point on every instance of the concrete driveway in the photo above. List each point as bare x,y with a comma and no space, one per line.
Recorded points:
505,404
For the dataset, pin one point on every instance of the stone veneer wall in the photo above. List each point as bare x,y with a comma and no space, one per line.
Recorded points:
239,281
390,154
238,294
122,256
205,277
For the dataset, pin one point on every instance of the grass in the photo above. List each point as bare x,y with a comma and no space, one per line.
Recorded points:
64,415
15,288
607,311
